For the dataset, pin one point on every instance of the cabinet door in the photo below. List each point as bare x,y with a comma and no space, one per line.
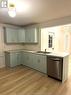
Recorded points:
25,58
21,35
31,35
41,64
15,35
27,36
11,35
8,36
7,59
28,59
35,65
13,59
19,58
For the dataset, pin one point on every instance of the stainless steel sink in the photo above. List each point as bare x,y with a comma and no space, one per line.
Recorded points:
43,52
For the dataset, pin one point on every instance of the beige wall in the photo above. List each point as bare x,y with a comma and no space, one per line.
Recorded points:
59,38
70,42
65,31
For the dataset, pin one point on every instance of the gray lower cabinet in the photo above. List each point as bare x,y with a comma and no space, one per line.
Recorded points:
35,61
19,58
32,60
12,59
40,63
27,59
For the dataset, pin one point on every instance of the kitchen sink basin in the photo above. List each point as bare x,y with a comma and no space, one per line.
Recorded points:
43,52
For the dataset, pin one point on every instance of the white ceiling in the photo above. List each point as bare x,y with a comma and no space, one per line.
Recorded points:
36,11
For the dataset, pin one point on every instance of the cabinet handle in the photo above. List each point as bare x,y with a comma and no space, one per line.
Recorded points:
55,59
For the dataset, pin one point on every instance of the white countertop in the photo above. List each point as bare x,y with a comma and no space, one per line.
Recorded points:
57,54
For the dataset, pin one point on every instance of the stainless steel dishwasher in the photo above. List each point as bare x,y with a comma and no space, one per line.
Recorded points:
54,67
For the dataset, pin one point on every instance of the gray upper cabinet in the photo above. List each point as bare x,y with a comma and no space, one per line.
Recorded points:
11,35
31,35
21,35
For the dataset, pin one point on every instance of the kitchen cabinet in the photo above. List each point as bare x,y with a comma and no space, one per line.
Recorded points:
12,59
32,60
21,36
31,35
35,61
19,58
27,59
11,35
53,64
40,63
2,60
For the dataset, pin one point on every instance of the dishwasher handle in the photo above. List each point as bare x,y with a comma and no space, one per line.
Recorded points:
55,59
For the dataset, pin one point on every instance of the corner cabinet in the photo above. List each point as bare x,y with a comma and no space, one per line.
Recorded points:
12,59
32,60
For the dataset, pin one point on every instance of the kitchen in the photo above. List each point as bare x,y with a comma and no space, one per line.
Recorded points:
26,52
